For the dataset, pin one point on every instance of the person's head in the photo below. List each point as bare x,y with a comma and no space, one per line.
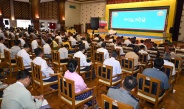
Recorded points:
72,65
167,56
119,44
136,49
142,47
21,35
49,41
66,46
38,52
17,42
103,44
133,40
158,63
129,83
142,41
2,39
83,38
114,54
24,77
82,47
26,47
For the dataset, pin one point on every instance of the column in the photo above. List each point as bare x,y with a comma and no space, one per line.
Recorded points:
35,13
61,13
1,14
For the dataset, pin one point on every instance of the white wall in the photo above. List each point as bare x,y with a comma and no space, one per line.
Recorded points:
89,10
72,16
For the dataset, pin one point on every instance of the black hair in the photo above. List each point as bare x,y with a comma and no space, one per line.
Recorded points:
38,51
130,83
23,74
17,42
119,44
66,46
136,49
158,63
72,64
142,47
26,46
114,54
103,44
49,41
142,41
21,35
65,39
83,38
81,47
133,40
1,38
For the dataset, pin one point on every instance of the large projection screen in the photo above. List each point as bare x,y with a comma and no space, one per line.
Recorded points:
145,19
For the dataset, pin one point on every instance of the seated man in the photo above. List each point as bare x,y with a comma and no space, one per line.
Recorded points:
46,70
134,56
119,46
16,96
156,73
47,49
59,38
123,93
166,58
54,43
85,43
115,64
142,51
15,49
104,50
21,36
72,39
25,56
83,61
2,47
63,54
173,54
34,44
127,41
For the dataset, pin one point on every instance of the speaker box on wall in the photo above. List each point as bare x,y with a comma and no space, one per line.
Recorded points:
171,30
6,22
94,23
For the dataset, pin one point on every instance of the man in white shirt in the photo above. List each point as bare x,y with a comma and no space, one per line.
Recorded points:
25,56
2,47
166,58
142,51
59,38
86,43
47,49
115,64
15,49
63,53
127,42
104,50
21,35
83,62
46,70
34,44
17,96
119,46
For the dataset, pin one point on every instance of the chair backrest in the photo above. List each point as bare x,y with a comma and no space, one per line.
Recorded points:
19,62
66,88
99,57
148,86
178,62
127,49
127,63
161,50
105,72
7,56
143,58
118,52
153,54
55,56
168,71
109,103
36,73
93,50
78,63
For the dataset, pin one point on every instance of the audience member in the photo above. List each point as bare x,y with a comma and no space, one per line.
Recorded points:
63,54
2,47
47,49
104,50
85,43
15,49
123,93
143,51
167,57
21,35
34,44
127,42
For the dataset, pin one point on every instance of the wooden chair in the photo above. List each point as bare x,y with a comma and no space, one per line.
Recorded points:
127,49
127,65
19,62
58,67
153,54
105,76
93,51
99,57
12,66
168,71
109,103
144,62
178,62
67,93
83,73
161,50
149,90
38,83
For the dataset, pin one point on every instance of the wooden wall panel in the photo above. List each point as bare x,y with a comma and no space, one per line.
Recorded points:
6,9
22,10
48,10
